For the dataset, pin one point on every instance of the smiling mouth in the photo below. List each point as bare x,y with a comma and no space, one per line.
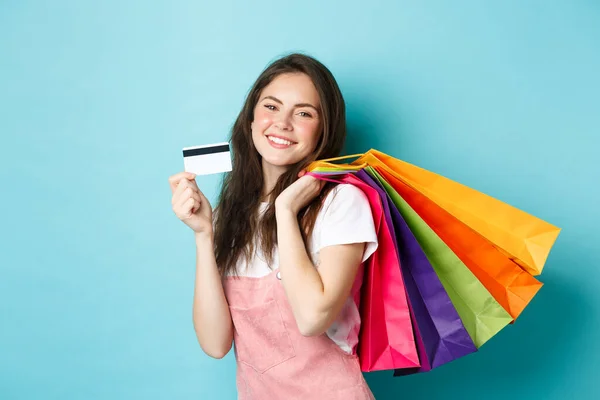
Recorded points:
280,141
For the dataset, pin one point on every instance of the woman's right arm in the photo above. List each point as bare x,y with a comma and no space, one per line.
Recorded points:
210,311
212,320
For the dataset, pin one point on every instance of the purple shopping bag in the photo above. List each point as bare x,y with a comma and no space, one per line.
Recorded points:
439,332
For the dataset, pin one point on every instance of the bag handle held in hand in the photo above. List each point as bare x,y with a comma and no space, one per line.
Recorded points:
327,163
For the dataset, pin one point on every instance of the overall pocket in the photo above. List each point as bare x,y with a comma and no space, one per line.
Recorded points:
260,337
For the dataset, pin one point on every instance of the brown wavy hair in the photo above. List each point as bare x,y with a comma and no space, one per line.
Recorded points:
236,216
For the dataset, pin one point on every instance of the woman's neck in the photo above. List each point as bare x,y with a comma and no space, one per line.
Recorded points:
271,174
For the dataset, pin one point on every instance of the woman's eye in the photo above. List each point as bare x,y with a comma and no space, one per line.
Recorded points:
304,114
270,107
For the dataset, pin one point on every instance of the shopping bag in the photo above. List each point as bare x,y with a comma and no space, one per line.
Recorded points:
510,285
386,339
440,334
521,236
481,314
524,238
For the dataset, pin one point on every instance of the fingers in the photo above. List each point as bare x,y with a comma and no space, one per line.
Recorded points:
188,193
321,184
190,206
180,187
183,185
178,176
317,184
310,185
186,208
314,183
174,180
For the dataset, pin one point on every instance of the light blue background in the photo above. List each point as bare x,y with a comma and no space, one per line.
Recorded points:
98,98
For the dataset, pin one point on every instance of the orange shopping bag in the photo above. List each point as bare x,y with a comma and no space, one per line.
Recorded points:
510,285
524,238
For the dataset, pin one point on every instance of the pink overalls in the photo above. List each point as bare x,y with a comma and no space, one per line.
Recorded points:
274,361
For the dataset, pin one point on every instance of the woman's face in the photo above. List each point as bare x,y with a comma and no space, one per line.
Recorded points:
287,121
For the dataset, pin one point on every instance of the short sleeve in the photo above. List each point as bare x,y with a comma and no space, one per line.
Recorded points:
346,218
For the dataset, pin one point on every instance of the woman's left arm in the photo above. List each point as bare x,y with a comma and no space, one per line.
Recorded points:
316,296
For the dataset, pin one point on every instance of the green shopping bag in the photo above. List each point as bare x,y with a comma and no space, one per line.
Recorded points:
480,313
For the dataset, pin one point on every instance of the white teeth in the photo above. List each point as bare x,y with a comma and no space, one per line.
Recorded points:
280,141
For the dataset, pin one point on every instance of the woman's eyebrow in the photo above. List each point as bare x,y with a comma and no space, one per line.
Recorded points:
275,99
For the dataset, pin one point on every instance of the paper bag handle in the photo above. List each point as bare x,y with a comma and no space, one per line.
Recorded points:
328,162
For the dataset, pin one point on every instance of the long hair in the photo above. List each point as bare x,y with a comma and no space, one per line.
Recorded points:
236,217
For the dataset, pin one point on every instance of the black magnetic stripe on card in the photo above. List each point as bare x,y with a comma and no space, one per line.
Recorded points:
206,150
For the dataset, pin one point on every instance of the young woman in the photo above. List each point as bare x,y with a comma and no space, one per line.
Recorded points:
278,266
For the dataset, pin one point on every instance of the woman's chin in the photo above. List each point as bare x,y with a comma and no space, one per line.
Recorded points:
279,162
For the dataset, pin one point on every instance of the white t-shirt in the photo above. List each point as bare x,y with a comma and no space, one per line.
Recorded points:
344,218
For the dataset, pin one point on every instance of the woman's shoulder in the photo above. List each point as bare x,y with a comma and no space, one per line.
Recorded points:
345,192
345,197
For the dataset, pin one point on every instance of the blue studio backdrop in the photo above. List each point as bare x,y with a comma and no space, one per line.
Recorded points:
97,99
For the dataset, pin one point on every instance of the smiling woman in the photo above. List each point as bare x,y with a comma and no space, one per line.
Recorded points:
279,265
286,126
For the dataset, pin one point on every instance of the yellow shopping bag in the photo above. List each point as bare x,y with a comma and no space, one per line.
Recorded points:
522,237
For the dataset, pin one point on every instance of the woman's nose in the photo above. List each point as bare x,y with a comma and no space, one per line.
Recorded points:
284,122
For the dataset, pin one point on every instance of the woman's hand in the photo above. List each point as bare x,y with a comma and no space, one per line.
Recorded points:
189,204
299,194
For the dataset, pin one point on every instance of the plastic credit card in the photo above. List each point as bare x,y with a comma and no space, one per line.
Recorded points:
207,159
